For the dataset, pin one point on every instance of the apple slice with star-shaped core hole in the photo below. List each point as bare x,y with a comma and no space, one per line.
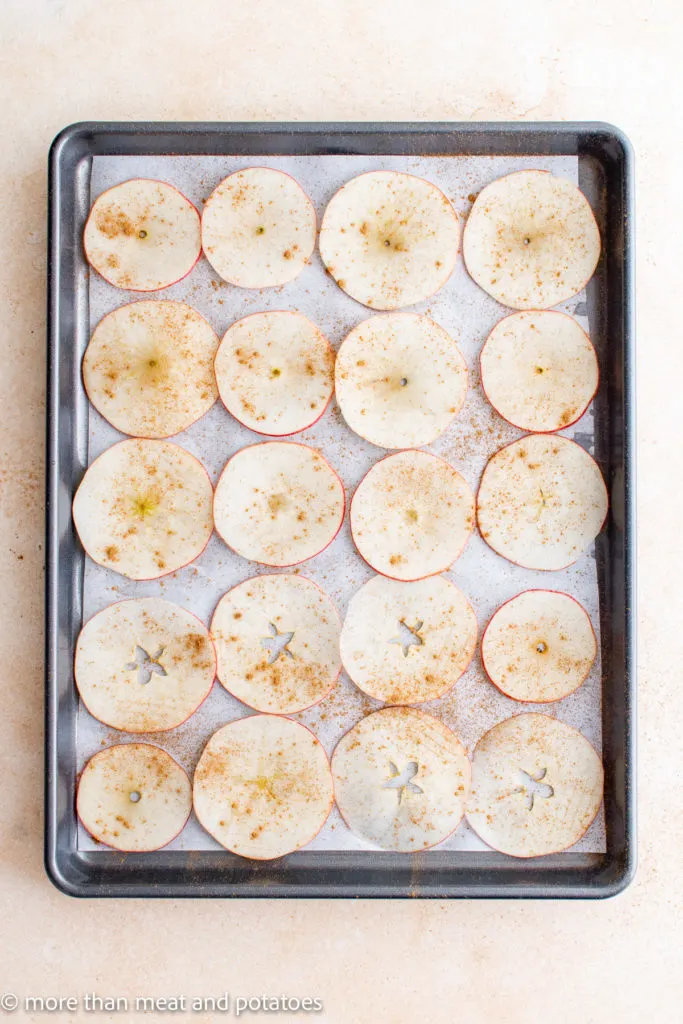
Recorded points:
144,665
531,240
143,508
539,370
389,239
541,502
399,380
149,367
411,515
536,786
134,797
263,786
258,228
404,643
277,639
275,372
539,646
142,235
401,779
278,503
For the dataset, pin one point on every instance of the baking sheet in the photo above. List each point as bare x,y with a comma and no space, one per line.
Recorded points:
474,704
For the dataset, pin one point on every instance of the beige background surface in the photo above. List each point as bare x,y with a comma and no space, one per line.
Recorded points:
617,60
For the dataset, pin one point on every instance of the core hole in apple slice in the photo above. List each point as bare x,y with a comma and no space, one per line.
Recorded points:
277,639
278,503
411,515
400,380
539,646
258,228
142,235
389,239
541,502
539,370
531,240
143,508
401,779
263,786
275,372
149,368
404,643
134,797
144,665
536,786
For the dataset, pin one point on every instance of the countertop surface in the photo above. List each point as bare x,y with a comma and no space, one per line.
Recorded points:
617,60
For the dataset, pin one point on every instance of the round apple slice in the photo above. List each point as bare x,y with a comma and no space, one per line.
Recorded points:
541,502
539,370
149,367
258,228
531,240
144,665
263,786
133,797
411,515
143,508
401,779
539,646
404,643
536,786
275,372
389,239
278,503
277,639
400,379
142,235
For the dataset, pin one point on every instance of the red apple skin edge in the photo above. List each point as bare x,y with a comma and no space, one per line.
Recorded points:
411,853
550,853
290,565
455,257
415,579
148,437
262,433
535,590
150,732
144,579
121,849
145,291
317,831
464,258
512,562
565,426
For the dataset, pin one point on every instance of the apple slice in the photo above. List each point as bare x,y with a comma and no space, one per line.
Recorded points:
278,503
401,779
389,239
277,639
134,797
263,786
144,665
142,235
539,646
143,508
400,379
275,372
539,370
541,502
531,240
149,367
536,786
258,228
411,515
404,643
